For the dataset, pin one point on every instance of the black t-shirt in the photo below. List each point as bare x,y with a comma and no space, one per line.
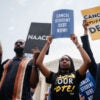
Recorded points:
64,86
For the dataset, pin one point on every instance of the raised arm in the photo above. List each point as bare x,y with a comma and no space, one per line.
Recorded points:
86,46
86,60
34,78
40,59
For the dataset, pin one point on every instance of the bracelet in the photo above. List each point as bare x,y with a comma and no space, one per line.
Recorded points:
78,45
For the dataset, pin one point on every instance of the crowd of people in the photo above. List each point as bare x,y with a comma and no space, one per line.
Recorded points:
20,75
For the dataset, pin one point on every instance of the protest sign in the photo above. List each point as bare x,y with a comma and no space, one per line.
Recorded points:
87,87
49,90
37,36
62,23
92,15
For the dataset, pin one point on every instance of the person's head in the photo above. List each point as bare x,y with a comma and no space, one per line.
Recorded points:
19,47
66,64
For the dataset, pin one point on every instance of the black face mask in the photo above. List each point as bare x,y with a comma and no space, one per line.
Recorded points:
19,51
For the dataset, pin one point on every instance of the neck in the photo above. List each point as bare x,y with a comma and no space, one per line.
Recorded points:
64,70
19,56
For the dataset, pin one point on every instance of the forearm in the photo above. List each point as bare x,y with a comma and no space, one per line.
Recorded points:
42,54
86,46
86,61
40,59
84,55
34,78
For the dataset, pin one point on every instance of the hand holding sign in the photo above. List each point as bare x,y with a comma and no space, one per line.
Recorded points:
36,53
75,40
49,39
85,24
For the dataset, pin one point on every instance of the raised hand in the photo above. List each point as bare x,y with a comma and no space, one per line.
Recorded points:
74,39
49,39
85,25
36,53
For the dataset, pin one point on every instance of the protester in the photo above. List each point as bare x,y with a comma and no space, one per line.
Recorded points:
19,75
1,63
0,60
94,68
0,53
64,83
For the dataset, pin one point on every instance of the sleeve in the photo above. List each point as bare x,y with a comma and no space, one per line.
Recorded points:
86,46
97,90
80,77
51,78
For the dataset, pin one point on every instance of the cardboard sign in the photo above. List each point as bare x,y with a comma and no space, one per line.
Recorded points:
37,36
87,87
92,16
62,23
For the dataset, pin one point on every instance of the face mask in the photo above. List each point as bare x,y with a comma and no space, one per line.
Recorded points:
19,51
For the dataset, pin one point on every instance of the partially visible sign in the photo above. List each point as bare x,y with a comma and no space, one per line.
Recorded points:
92,16
87,87
49,97
37,36
62,23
